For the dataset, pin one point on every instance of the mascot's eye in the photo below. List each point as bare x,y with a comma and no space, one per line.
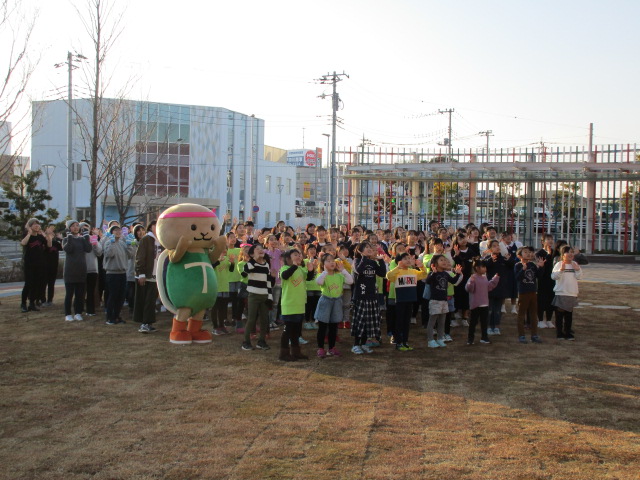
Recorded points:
193,227
213,227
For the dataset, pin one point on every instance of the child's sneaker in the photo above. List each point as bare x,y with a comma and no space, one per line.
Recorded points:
454,323
490,331
224,330
217,331
302,341
441,343
496,331
514,309
522,339
542,324
413,321
357,350
262,345
321,353
550,324
569,337
485,342
67,318
408,347
392,340
535,339
447,338
373,343
334,352
402,348
465,322
470,342
366,349
246,346
432,344
503,309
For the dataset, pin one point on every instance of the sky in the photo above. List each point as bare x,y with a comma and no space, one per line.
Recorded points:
527,71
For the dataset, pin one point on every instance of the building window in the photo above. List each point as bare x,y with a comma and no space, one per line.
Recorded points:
288,214
267,181
288,186
267,218
278,183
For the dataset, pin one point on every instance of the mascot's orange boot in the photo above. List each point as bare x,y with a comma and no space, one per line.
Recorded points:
179,333
198,336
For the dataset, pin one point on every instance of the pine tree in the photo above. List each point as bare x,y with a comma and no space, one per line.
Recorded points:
28,202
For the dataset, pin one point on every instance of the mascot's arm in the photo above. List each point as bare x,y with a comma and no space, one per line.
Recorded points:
219,246
183,244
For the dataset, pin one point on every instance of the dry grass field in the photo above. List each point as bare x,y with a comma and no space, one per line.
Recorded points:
84,400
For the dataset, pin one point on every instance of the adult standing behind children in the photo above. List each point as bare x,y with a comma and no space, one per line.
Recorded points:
92,267
116,255
75,248
144,309
34,244
51,259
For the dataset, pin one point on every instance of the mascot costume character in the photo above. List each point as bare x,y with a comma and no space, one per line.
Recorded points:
187,282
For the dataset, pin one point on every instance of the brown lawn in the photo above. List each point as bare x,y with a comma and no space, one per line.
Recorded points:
85,400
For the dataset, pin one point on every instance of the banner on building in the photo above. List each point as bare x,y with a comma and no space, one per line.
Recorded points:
301,158
306,193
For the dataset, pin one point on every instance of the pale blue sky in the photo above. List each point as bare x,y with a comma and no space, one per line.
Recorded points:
528,70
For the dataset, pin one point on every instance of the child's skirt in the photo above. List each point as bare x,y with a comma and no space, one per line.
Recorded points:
565,302
329,310
365,321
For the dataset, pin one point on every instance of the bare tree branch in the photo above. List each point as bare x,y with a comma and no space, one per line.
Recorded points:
17,68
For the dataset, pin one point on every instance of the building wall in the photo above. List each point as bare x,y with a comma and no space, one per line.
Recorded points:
223,151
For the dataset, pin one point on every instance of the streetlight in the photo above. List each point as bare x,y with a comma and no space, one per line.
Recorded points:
50,169
280,187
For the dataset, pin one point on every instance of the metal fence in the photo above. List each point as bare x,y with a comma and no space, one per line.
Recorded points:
588,198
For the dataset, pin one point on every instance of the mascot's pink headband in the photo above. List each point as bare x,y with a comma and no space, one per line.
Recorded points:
188,215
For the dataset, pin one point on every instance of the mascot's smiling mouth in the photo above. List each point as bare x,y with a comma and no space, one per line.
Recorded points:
203,238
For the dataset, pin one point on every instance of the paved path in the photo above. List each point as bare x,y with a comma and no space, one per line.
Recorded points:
617,274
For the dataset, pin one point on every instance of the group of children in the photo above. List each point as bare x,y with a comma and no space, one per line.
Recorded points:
319,280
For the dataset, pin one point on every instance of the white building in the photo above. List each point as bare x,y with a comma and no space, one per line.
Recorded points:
172,153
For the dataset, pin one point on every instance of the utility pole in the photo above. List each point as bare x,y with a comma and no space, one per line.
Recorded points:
365,142
487,133
71,57
333,78
449,111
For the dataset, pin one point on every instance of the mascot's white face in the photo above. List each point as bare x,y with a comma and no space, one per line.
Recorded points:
194,222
